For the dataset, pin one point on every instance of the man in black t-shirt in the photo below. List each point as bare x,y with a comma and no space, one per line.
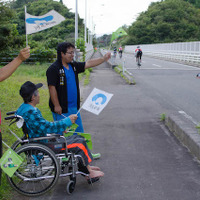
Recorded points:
62,78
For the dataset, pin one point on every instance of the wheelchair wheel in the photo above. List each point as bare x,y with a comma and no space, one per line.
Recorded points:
39,171
17,144
71,186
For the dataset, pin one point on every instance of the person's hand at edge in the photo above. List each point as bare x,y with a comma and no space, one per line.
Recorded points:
58,110
107,56
24,54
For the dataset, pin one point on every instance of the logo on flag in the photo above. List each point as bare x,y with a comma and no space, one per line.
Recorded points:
97,101
38,23
10,162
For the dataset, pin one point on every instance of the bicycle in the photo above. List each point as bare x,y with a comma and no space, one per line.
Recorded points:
115,54
138,56
138,60
120,54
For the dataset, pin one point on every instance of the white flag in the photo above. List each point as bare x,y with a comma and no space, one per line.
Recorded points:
96,101
38,23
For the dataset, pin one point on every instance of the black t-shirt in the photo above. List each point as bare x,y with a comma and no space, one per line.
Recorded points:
56,77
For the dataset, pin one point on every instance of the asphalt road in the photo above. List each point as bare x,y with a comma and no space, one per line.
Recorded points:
140,158
173,85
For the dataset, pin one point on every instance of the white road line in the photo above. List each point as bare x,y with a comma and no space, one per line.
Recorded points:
156,65
188,116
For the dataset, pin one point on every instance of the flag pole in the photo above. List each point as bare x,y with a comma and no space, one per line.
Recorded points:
5,144
25,28
76,113
79,111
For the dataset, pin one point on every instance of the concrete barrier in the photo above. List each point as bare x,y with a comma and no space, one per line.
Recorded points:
185,131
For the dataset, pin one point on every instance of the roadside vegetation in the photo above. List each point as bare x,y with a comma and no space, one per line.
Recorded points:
162,117
130,80
166,21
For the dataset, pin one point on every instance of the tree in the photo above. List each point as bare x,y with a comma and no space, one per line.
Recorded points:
196,3
9,36
20,3
104,41
166,21
46,38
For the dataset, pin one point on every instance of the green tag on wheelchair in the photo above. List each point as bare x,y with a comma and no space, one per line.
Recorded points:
72,129
10,162
87,136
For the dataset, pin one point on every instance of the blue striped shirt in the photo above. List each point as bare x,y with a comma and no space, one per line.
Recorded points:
37,125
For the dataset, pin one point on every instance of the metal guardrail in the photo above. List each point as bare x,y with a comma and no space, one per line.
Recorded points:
187,52
34,58
31,60
89,51
89,54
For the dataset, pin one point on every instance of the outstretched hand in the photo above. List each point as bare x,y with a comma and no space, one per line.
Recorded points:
107,56
73,118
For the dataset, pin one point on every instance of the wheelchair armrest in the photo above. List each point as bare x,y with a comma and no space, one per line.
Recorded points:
41,138
48,137
17,117
53,134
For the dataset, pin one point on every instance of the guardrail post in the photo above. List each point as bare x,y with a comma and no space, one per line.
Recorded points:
123,66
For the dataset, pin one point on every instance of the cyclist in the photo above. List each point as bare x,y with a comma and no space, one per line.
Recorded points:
138,55
115,51
120,51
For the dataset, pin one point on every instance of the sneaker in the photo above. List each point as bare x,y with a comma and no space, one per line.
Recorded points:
96,155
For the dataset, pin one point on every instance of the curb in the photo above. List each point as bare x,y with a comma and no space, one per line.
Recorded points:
186,132
128,78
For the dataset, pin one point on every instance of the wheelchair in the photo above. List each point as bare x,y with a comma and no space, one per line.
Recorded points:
43,162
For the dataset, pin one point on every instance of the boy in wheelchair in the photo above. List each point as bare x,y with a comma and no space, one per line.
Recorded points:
37,126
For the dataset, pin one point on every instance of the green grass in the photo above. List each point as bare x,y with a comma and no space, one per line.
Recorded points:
85,76
162,117
198,128
119,70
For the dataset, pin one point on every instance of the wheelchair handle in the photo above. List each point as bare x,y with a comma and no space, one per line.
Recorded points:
11,112
11,117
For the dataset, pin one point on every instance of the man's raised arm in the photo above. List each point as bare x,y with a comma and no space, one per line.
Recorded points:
8,69
97,61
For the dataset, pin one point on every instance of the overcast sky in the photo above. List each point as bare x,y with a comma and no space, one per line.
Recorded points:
108,15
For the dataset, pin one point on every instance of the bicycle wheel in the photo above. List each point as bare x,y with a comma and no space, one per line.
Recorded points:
39,171
138,62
